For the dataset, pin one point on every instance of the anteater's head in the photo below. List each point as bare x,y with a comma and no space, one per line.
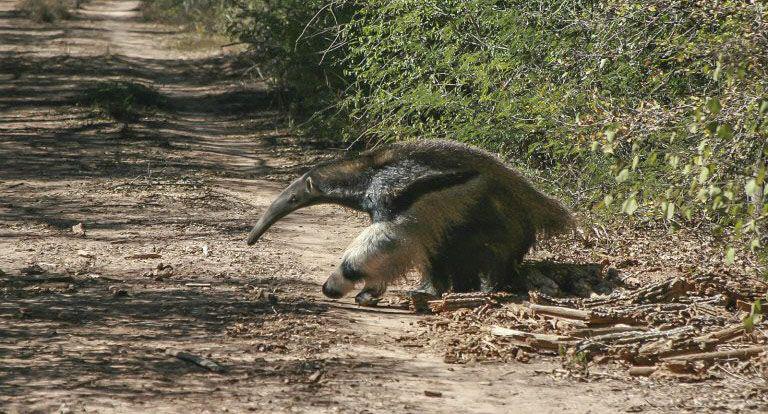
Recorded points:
303,192
339,182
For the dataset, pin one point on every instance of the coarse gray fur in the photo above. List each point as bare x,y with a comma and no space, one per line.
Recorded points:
455,213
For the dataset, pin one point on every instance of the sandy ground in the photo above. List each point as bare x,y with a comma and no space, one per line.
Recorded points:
86,321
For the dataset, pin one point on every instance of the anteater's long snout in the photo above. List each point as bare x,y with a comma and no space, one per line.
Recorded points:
294,197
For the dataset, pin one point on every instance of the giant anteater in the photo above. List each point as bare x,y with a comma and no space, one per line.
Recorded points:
456,214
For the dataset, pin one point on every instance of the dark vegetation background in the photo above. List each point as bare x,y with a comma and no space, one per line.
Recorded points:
650,109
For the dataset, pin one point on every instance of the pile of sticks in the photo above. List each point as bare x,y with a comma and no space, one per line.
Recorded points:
675,328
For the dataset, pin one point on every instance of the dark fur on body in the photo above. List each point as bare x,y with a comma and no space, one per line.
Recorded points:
467,217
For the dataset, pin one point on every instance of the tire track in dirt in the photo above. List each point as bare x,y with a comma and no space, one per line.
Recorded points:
196,176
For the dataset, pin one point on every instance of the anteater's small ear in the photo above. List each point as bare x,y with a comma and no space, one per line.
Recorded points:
310,185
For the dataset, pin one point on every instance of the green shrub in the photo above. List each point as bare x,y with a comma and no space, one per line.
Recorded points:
45,11
301,47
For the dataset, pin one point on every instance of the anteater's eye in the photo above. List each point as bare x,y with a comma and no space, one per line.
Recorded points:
293,198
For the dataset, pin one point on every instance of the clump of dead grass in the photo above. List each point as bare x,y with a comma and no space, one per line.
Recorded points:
45,11
122,100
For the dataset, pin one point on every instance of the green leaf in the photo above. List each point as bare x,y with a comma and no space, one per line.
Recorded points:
651,160
717,203
764,107
670,211
713,105
751,187
629,206
702,195
724,131
698,160
703,175
737,228
623,176
635,162
687,213
730,255
748,322
607,200
718,70
755,315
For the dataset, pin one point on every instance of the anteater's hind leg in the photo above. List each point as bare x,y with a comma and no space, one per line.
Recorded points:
381,253
483,252
468,258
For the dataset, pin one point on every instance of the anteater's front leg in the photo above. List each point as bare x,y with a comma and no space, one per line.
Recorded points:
378,255
371,293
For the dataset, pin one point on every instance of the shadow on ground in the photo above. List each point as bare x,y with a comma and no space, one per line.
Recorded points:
97,336
48,132
103,337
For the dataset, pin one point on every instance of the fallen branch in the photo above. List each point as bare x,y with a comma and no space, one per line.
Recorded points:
661,291
559,311
535,340
678,347
453,301
740,353
448,305
642,371
733,287
618,328
588,316
601,342
197,360
722,335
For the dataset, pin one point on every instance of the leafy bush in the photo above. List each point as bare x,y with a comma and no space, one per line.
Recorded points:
301,46
44,11
123,101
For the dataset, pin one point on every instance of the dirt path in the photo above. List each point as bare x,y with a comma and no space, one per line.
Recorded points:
168,202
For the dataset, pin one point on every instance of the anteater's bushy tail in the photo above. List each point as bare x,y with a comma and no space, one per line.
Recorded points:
551,217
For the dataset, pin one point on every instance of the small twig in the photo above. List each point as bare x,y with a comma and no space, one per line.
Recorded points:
296,44
232,44
734,375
